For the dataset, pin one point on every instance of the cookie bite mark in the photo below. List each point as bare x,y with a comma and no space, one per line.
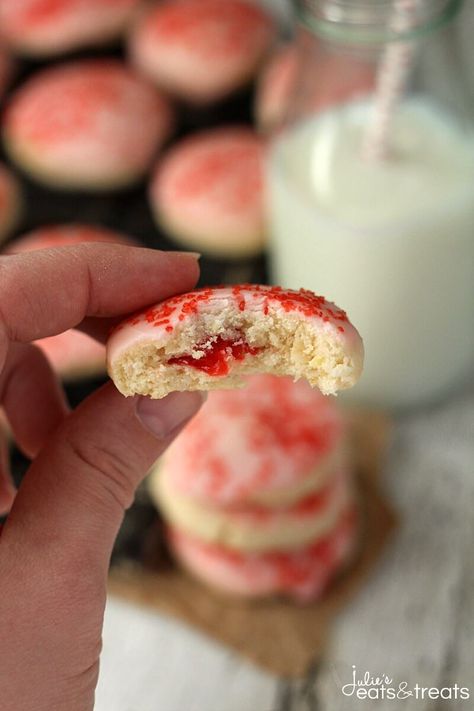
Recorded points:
211,337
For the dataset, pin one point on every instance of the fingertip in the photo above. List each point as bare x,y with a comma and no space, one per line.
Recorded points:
184,265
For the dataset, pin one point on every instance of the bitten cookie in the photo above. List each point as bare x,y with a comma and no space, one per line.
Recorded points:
43,28
207,193
302,574
201,50
91,125
210,337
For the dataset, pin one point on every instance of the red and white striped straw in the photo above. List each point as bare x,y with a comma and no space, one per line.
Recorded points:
393,71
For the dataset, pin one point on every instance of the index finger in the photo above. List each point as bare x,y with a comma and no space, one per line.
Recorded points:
46,292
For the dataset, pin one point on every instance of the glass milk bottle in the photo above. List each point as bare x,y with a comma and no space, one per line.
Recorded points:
371,189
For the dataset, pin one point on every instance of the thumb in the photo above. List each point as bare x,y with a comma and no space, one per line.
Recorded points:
72,500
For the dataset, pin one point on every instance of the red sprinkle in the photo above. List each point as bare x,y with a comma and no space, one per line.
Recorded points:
303,302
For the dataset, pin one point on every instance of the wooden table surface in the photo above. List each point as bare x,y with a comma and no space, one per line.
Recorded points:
413,620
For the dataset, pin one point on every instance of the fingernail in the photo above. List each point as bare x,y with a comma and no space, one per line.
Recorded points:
192,255
166,416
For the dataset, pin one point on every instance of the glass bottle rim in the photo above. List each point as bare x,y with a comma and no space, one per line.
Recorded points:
363,22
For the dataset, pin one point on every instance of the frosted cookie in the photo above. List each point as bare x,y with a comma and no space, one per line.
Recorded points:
270,443
91,125
252,527
302,574
209,338
335,83
41,28
207,193
201,50
65,235
10,201
274,86
72,354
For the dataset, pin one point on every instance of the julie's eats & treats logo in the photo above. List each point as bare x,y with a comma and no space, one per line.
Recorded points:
365,685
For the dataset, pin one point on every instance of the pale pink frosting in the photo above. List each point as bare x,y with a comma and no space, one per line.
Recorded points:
211,185
90,120
302,574
202,49
54,26
268,436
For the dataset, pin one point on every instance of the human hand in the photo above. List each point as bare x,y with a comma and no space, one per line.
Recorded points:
56,543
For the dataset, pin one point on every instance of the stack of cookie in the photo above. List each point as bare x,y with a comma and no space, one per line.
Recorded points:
258,492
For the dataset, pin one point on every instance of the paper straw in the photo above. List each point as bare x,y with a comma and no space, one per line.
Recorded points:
393,71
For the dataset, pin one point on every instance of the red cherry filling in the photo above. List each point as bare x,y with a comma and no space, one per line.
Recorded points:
218,356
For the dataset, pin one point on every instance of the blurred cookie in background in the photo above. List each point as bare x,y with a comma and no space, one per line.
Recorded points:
302,574
67,235
270,443
202,50
207,193
255,528
89,125
274,87
45,28
334,84
258,491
